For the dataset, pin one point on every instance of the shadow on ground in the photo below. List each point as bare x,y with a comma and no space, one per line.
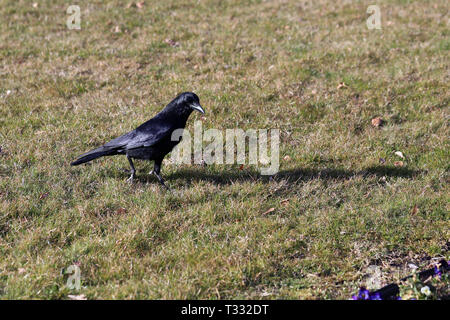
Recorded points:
230,176
291,176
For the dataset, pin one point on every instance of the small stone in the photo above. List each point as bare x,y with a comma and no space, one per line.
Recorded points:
377,122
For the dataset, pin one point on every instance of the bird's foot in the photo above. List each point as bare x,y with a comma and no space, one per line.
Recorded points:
165,186
161,180
130,179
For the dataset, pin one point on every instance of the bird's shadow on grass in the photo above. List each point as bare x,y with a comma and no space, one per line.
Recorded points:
190,175
292,176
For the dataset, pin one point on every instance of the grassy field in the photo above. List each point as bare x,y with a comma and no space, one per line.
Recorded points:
343,204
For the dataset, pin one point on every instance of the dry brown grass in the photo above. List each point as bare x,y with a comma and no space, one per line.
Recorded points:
254,64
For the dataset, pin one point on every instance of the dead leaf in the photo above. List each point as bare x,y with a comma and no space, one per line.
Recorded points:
116,29
35,5
121,211
414,210
284,202
43,196
400,154
377,122
412,266
287,158
341,85
398,163
21,270
77,297
241,167
269,211
138,5
171,42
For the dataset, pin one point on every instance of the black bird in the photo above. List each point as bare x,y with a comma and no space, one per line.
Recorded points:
152,140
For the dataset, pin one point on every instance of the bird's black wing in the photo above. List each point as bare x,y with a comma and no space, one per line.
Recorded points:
115,146
146,135
149,133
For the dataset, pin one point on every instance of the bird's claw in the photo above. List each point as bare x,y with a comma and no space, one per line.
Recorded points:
160,179
165,186
130,179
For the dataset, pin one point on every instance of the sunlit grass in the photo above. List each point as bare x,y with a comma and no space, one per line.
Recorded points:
340,204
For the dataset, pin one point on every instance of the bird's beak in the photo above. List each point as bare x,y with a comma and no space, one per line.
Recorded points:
197,107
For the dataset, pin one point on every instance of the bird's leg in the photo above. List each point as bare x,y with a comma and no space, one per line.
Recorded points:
156,171
133,170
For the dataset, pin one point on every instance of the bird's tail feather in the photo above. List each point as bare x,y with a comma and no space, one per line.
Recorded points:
93,154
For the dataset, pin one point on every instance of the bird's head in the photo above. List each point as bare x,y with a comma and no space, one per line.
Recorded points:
188,101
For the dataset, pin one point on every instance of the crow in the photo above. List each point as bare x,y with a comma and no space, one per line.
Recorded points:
152,140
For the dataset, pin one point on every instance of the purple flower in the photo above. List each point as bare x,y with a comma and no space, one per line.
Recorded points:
364,294
437,271
375,296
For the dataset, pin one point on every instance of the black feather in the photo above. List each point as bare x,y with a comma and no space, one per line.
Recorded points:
151,140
